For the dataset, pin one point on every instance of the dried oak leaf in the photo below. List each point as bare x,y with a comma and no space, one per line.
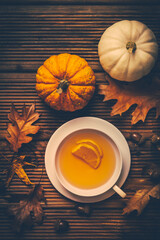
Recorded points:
141,198
17,167
143,93
21,126
28,211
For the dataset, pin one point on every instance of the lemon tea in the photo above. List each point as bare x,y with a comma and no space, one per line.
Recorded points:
76,171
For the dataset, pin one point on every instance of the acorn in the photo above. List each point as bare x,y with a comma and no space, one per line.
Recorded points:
155,139
83,210
153,171
138,138
61,226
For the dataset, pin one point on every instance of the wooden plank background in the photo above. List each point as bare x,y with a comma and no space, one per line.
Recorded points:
31,31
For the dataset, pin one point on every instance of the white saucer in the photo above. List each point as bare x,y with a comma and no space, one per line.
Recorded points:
86,123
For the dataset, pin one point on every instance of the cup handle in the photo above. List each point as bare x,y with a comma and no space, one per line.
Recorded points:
119,191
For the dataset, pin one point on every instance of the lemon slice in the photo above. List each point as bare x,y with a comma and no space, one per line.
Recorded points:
88,154
93,144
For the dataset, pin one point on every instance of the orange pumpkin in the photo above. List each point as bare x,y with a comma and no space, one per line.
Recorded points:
65,82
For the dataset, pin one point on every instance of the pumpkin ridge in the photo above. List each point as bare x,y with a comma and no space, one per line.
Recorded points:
46,84
111,37
40,82
81,96
50,103
68,104
143,67
114,64
68,92
77,72
62,97
146,41
49,95
142,33
111,50
77,95
42,77
74,84
52,73
124,33
85,76
45,92
131,35
67,66
57,64
127,69
71,98
147,52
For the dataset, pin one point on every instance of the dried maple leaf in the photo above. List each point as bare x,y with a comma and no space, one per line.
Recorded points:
17,167
143,93
28,211
141,198
21,126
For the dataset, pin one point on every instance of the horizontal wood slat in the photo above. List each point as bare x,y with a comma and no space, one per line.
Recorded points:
77,2
30,35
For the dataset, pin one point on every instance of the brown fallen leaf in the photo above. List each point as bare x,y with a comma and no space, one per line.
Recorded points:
17,167
21,126
28,211
140,200
143,93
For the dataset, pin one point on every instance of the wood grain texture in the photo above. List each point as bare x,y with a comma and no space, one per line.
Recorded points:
31,31
78,2
30,35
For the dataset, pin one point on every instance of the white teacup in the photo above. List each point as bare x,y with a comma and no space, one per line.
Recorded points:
109,184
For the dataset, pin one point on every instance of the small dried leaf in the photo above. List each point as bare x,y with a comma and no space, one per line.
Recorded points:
17,167
140,200
144,94
28,211
21,126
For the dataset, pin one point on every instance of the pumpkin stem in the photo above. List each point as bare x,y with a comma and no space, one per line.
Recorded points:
62,87
131,47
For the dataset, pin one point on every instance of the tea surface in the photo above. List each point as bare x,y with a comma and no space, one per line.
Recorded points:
76,171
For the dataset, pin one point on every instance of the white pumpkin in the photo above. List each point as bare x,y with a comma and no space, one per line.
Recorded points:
128,50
